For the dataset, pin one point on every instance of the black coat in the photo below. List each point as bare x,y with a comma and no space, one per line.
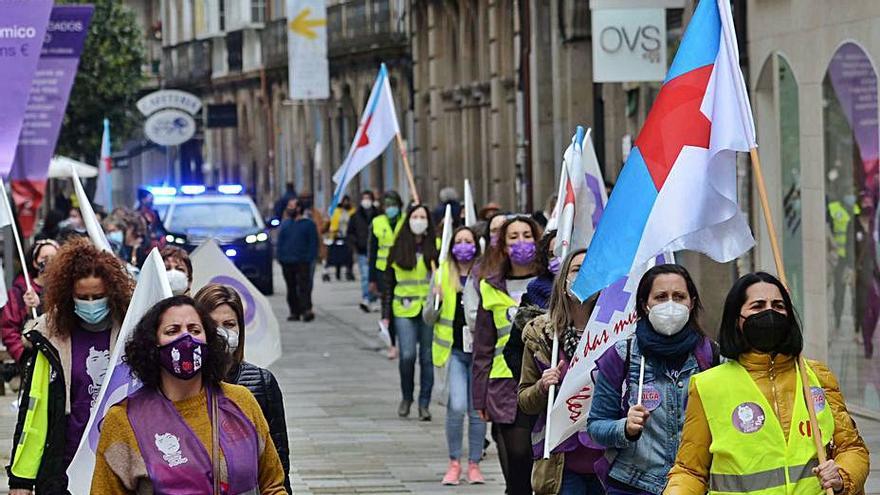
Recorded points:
51,475
261,382
358,235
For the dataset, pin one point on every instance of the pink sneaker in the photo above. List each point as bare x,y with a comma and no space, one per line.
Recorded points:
453,473
474,476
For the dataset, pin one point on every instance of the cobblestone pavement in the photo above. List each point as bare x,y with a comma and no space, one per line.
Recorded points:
341,395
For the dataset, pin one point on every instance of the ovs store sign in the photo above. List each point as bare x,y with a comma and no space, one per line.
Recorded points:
629,45
169,115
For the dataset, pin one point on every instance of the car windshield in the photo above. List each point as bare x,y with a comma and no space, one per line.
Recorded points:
187,216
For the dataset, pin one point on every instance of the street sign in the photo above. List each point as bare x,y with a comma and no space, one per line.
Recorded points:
170,127
308,71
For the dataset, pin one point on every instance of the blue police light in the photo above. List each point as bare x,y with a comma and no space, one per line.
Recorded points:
230,188
162,190
192,189
275,222
232,253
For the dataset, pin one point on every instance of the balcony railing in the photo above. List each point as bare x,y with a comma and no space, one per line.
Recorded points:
187,64
274,43
357,25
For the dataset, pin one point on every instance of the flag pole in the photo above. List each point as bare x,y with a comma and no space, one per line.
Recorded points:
21,257
780,270
409,174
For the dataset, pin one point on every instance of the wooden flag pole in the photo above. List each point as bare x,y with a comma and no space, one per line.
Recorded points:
765,207
780,270
409,174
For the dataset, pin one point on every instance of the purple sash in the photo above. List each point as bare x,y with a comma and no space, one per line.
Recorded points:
177,461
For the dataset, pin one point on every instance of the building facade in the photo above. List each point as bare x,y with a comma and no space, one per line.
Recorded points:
813,76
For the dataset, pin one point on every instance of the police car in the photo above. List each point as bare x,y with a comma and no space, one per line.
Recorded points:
195,214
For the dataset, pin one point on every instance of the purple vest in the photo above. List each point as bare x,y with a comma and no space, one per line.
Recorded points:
177,461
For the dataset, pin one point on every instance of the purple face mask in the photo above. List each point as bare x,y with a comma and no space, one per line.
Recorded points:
464,252
182,357
522,253
554,265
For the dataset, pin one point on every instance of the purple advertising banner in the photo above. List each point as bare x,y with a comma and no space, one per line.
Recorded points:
50,89
22,29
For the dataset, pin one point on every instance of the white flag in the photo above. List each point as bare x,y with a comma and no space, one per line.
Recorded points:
446,238
377,128
470,210
613,319
93,226
152,287
582,195
263,338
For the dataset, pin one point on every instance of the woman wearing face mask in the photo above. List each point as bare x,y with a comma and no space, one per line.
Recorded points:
641,433
407,283
453,343
184,431
488,243
533,303
508,270
22,300
86,295
747,422
226,309
179,268
569,471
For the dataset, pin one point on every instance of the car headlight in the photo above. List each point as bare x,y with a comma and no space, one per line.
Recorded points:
174,239
254,238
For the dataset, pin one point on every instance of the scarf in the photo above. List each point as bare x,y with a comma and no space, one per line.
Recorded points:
570,339
672,349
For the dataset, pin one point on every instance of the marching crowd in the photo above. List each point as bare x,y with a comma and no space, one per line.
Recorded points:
673,411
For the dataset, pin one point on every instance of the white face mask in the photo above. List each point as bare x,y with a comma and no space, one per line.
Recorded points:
178,281
418,225
366,204
668,318
231,336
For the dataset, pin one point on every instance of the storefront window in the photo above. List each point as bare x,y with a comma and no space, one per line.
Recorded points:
851,193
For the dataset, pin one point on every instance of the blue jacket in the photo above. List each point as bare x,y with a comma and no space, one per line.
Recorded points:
642,463
297,241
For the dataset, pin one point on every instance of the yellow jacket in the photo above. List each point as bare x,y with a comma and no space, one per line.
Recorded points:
777,381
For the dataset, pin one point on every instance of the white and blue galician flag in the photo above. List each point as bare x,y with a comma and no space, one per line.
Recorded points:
104,189
677,190
152,287
377,128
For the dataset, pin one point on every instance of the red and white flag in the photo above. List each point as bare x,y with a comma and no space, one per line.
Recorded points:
377,128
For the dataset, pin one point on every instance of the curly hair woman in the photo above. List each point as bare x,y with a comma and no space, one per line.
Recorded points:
86,293
184,431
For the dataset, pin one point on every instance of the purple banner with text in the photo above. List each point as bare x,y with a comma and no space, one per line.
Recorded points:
50,90
22,29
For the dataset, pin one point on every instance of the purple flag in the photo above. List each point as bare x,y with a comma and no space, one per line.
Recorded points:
22,28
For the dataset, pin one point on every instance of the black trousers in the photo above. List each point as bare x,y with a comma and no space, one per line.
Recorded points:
298,278
514,442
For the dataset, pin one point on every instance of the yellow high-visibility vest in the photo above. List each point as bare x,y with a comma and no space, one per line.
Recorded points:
499,304
749,450
411,289
385,235
29,451
840,219
443,334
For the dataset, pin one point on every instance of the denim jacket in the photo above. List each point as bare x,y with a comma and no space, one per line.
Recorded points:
643,463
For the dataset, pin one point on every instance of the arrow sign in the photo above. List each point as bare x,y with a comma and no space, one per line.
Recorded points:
308,70
302,25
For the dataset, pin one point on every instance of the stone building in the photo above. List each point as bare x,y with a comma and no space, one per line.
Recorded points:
813,77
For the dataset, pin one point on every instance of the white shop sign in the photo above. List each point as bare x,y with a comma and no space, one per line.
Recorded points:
629,44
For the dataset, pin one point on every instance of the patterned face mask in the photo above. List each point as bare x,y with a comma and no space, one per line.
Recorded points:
182,357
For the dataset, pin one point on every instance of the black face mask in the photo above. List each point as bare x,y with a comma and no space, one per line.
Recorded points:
767,330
